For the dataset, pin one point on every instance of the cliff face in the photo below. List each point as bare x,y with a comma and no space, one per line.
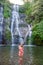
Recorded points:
4,23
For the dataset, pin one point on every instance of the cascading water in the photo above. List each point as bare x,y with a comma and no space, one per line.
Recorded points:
12,24
1,23
30,33
15,19
30,30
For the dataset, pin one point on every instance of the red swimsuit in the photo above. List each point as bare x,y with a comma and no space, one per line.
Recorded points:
21,51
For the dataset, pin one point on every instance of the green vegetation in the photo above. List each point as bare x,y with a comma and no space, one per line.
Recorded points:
7,31
7,8
34,16
37,35
7,14
8,35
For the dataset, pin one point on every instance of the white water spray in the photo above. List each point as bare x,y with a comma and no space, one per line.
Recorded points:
1,23
30,34
15,19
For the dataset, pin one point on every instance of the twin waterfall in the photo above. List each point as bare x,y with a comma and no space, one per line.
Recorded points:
19,29
15,25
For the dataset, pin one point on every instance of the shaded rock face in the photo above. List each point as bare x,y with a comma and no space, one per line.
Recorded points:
3,40
16,38
23,27
0,38
22,16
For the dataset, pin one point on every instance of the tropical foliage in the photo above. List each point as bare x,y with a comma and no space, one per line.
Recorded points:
34,16
7,8
37,35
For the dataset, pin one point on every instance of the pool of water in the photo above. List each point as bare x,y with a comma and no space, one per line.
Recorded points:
33,55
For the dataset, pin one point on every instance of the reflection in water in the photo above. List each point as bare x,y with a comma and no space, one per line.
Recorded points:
20,54
13,55
11,52
28,55
32,55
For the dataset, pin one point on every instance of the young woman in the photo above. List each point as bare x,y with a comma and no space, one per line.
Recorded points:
20,54
21,50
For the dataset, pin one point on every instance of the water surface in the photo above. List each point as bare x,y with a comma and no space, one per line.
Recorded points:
33,55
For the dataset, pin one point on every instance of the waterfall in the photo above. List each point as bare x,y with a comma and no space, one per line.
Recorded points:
1,23
30,30
12,34
15,19
30,33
